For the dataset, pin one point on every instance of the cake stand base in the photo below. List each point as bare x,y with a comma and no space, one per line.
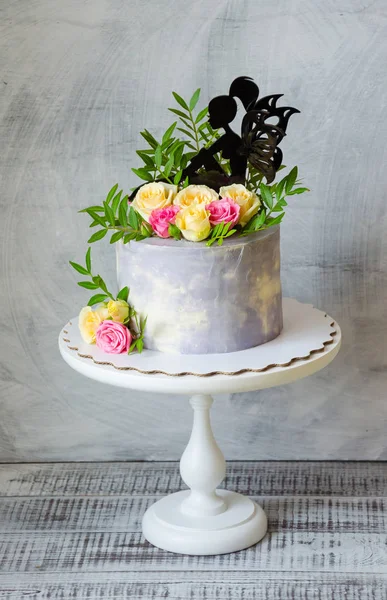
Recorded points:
241,525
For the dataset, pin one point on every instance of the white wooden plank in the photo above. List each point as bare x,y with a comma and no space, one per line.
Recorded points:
188,585
253,478
280,551
124,514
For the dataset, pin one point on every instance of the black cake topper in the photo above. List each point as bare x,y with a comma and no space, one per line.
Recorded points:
258,143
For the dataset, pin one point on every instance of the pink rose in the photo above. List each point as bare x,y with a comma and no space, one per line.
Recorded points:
224,210
160,218
113,337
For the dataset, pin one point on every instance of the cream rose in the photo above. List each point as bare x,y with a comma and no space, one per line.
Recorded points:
195,194
118,310
153,195
89,321
248,201
193,222
103,312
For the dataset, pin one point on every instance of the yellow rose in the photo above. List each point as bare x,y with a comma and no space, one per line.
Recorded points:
88,321
153,195
194,222
103,311
118,310
195,194
248,201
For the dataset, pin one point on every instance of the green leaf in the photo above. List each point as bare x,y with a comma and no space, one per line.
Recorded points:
177,156
201,114
94,208
174,231
186,182
216,229
203,136
203,126
231,232
168,134
266,195
183,162
132,346
88,285
79,268
146,229
117,236
122,212
148,137
88,259
274,221
168,166
129,237
123,294
133,218
188,124
143,174
260,220
145,157
255,223
100,220
194,99
109,213
280,188
177,112
225,230
140,345
167,146
290,179
177,177
300,190
173,147
188,133
98,235
158,156
115,202
100,283
97,299
111,193
180,101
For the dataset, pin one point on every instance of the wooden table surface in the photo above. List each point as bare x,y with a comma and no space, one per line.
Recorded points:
73,530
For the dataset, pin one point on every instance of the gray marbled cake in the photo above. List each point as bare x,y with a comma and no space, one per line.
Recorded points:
200,299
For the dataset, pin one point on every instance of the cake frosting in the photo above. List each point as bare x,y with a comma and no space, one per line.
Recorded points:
201,300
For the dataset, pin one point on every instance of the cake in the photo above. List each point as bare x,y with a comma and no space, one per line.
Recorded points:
197,244
201,300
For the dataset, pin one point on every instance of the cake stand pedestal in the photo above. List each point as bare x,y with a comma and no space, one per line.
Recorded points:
203,519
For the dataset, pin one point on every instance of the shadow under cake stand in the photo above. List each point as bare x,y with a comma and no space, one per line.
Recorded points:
203,519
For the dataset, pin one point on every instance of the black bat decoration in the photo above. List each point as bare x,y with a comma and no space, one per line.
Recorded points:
259,140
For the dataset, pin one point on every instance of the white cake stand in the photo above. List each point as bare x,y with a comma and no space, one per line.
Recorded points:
203,519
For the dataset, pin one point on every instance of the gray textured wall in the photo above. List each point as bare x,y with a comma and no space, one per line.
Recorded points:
78,81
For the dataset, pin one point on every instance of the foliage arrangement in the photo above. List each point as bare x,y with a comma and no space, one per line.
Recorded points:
116,309
165,160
